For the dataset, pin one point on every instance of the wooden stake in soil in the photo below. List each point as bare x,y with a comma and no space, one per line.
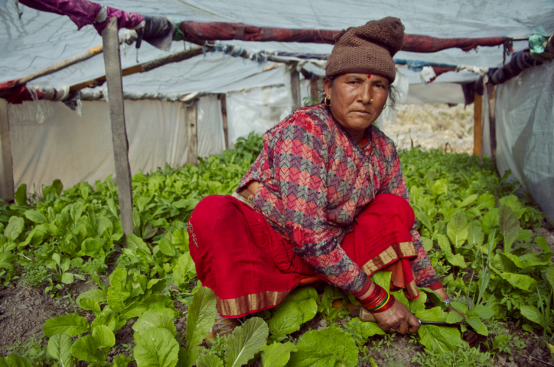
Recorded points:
112,62
6,163
225,123
492,120
295,87
477,125
192,144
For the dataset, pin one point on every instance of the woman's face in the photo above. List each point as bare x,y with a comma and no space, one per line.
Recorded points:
357,100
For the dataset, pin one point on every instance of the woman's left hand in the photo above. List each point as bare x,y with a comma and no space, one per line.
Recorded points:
397,319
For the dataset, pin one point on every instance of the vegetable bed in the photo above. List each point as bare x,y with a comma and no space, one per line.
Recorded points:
83,298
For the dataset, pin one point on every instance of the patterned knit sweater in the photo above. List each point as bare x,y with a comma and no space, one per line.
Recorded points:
315,179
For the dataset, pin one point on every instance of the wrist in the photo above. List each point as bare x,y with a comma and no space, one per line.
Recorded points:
378,300
365,292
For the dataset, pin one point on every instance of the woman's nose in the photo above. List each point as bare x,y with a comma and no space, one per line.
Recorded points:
365,94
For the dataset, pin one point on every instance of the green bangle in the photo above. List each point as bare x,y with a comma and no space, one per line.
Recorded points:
382,303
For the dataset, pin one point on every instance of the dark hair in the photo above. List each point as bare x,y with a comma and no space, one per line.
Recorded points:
393,92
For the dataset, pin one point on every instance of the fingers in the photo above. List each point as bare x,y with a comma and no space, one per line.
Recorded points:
414,324
403,329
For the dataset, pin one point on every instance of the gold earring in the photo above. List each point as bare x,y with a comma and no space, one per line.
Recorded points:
327,101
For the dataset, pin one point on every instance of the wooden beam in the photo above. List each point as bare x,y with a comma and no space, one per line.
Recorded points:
295,87
6,163
477,125
225,123
192,136
147,66
85,55
492,120
112,62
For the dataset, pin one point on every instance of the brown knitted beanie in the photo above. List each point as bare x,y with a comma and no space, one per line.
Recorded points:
367,49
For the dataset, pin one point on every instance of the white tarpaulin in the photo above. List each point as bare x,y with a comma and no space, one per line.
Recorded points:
256,110
525,132
211,139
39,40
76,149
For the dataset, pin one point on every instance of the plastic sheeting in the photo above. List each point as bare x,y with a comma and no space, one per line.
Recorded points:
211,139
212,73
256,110
39,40
76,149
435,93
525,132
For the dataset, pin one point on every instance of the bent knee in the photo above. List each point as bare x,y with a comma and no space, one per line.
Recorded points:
397,205
213,208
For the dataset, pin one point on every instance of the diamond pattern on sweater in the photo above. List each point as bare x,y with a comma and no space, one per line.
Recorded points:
314,181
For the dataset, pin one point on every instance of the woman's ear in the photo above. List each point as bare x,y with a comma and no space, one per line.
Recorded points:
327,87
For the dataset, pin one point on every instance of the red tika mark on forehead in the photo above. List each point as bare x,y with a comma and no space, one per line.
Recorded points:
368,76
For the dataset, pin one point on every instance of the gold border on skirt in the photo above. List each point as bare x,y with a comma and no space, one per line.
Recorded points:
250,302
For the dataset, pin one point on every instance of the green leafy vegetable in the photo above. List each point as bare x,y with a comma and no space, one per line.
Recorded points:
156,347
245,341
155,319
277,354
86,349
201,316
326,347
71,325
59,348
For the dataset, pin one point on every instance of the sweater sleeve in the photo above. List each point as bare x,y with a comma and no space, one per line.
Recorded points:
299,155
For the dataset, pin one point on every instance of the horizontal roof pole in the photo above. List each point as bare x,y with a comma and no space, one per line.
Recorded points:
147,66
199,33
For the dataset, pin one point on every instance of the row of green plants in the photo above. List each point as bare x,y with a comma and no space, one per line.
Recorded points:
479,236
475,229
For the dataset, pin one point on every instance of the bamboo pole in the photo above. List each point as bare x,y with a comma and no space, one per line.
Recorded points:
114,80
477,125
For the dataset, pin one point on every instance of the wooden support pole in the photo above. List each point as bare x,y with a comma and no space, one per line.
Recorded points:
295,87
492,119
6,163
225,123
477,125
192,135
112,62
313,90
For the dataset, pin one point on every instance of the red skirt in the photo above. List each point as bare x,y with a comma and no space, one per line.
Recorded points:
251,267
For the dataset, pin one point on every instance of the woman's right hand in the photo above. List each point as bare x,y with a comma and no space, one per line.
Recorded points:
397,319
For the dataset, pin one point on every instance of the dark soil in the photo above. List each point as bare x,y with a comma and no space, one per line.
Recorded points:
23,311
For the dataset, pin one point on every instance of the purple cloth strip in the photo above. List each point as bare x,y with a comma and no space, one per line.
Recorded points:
83,12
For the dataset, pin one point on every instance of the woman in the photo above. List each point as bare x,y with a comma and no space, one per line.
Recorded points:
326,198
